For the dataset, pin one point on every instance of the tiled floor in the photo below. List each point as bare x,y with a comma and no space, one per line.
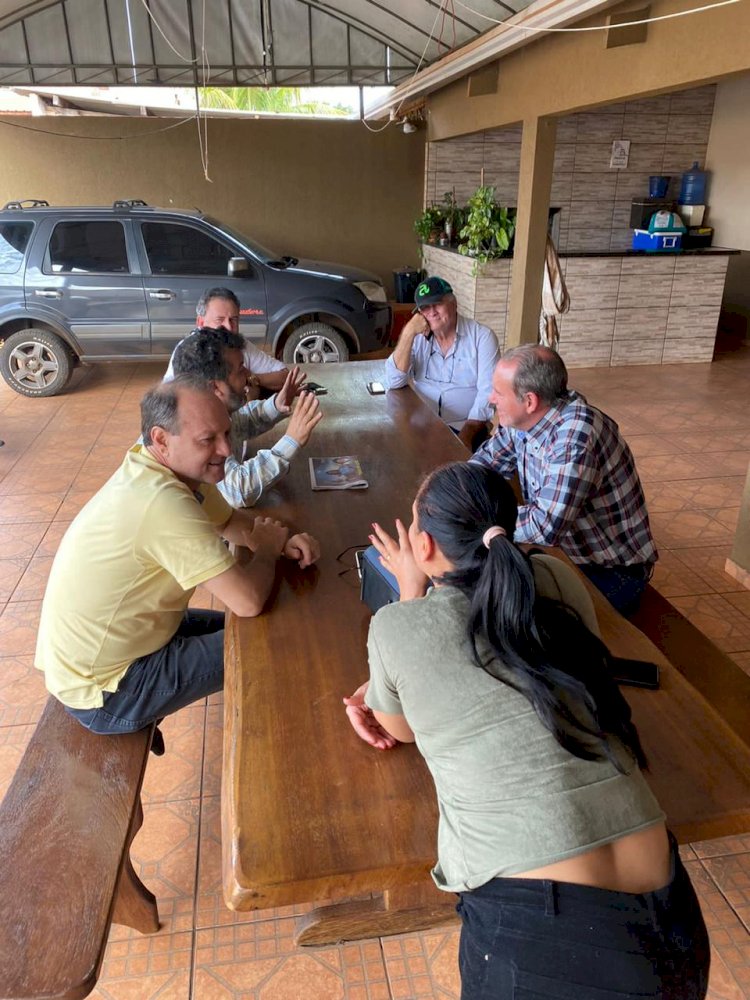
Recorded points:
689,428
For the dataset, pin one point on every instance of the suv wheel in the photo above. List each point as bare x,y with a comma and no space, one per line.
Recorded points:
35,363
315,343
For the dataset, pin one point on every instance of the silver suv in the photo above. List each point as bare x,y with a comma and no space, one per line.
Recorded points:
121,284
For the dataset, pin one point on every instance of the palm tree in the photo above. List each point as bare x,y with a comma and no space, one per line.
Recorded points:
275,100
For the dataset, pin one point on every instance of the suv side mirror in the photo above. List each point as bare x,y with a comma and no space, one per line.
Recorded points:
238,267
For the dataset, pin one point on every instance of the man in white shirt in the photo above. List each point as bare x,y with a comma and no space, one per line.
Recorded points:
448,359
219,308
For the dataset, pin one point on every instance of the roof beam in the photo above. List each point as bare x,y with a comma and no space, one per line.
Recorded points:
505,38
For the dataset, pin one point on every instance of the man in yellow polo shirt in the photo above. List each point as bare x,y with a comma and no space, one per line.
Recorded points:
117,643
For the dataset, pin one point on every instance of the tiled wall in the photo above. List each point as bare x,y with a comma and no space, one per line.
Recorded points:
666,134
609,322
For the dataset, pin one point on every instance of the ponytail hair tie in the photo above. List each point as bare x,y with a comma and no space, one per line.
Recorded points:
491,533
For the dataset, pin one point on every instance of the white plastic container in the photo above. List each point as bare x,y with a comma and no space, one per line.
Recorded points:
692,215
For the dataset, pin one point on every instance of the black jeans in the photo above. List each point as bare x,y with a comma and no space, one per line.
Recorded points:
535,939
190,666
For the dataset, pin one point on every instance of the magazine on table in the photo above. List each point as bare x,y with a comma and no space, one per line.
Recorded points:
343,473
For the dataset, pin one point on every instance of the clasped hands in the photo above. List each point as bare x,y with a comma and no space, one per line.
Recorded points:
272,536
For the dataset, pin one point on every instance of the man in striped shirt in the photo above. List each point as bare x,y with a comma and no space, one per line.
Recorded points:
217,355
578,479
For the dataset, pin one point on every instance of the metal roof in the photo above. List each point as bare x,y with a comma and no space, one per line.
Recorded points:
275,43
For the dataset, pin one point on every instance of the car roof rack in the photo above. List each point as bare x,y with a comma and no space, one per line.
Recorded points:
124,204
26,203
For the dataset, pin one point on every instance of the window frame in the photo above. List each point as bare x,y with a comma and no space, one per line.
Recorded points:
15,222
232,251
47,266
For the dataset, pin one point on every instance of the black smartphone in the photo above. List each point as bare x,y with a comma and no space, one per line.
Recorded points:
375,388
637,673
315,388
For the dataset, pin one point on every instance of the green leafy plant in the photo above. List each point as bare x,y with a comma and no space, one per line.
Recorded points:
488,228
454,216
275,100
428,225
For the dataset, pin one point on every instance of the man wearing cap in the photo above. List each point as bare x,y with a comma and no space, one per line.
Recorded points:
448,359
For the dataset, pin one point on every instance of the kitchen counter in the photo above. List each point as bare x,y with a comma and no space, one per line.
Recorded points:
693,252
626,307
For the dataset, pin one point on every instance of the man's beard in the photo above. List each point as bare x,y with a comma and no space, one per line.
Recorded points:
235,401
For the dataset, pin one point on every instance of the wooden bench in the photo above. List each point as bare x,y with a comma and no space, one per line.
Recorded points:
66,825
724,685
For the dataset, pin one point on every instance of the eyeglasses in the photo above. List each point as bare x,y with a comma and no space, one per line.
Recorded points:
439,374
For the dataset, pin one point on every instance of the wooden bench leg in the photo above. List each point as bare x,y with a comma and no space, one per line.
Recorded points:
398,911
135,905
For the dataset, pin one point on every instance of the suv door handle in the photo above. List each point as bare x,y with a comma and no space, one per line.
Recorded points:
163,293
48,293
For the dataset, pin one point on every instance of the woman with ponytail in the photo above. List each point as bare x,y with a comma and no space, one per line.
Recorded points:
569,884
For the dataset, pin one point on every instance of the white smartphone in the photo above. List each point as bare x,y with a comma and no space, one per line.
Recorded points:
375,388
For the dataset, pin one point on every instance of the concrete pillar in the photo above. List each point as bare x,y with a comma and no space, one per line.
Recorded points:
738,564
534,185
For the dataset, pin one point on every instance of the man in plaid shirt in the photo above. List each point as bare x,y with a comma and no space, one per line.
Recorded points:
578,479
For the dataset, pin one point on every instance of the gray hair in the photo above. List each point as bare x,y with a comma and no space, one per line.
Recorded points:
538,370
160,404
215,293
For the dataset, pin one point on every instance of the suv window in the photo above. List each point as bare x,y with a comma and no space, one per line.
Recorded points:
175,249
87,247
14,238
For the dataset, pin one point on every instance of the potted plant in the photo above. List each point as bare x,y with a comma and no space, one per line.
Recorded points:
488,228
429,224
454,217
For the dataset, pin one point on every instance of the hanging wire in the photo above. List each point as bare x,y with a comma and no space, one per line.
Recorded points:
159,29
440,10
597,27
130,39
524,27
100,138
205,74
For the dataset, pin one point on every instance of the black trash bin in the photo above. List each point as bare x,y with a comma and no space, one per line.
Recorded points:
405,281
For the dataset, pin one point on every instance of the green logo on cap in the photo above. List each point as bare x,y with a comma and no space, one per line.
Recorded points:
424,289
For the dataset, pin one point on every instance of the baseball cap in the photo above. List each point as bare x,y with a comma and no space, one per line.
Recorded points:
430,291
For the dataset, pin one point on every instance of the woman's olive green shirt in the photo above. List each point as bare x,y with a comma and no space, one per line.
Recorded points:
511,799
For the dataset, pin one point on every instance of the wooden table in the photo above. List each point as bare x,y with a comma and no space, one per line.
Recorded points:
311,813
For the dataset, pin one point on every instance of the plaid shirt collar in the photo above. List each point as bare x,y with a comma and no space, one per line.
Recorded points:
542,427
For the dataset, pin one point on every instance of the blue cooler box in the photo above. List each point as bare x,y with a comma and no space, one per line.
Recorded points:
654,242
664,232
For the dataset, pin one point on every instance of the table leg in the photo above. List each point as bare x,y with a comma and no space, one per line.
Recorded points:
397,911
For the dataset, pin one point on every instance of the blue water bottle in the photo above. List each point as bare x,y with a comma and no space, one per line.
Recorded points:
693,190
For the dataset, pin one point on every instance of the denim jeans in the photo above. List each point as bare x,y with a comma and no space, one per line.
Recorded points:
535,939
190,666
621,585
